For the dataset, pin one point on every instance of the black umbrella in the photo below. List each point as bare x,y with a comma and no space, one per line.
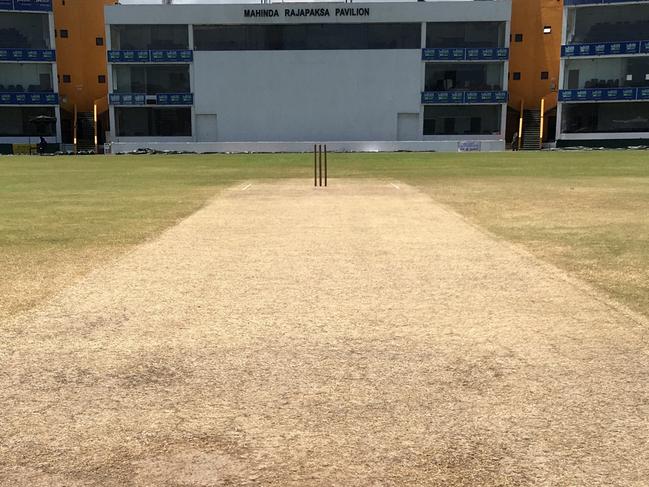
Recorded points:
42,119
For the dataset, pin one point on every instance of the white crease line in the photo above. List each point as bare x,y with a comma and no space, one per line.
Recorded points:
246,188
394,186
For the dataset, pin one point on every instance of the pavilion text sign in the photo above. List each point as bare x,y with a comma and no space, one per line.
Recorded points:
254,13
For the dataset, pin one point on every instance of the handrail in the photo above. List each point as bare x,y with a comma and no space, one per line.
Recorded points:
542,123
520,125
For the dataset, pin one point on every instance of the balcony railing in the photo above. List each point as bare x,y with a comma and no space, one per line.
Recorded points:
151,56
27,5
614,94
29,98
465,54
140,99
463,97
22,55
605,49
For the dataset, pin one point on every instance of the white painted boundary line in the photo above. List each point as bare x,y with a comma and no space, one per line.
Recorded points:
246,188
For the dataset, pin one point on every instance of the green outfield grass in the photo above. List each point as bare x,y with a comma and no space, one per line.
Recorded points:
587,212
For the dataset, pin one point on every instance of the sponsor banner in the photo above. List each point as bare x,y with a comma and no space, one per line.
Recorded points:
444,54
128,99
468,97
175,99
643,93
461,54
644,46
37,55
6,5
29,99
487,54
492,97
469,146
7,99
128,56
442,97
620,94
600,94
603,49
171,56
33,5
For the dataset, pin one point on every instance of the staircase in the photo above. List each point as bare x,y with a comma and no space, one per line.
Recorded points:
85,132
531,130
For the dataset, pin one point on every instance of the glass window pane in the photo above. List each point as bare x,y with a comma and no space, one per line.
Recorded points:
465,34
464,76
14,121
605,117
31,77
307,37
606,73
154,122
462,120
145,37
24,31
619,23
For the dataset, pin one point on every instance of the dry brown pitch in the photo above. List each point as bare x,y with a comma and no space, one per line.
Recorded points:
355,336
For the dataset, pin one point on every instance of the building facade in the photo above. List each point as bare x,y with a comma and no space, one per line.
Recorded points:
83,77
29,100
604,96
362,76
534,70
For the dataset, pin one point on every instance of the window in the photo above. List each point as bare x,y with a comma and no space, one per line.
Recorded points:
64,33
14,122
307,37
99,41
516,76
610,24
462,120
547,29
151,79
631,72
24,30
518,38
465,34
26,77
464,76
605,117
143,37
545,75
154,122
67,78
101,79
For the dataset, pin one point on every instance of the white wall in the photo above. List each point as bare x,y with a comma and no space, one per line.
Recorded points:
306,95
